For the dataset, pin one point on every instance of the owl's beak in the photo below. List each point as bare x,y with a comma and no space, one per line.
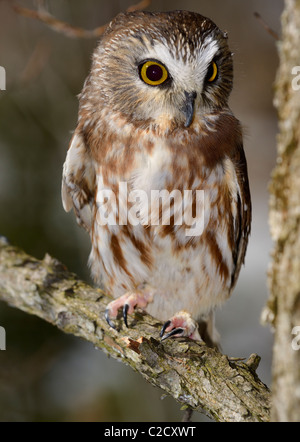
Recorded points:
189,107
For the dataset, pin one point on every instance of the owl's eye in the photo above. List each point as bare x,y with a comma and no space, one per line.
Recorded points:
153,73
212,72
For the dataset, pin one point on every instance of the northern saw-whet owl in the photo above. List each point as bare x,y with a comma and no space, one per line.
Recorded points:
154,116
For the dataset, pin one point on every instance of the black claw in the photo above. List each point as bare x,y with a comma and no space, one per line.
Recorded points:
125,311
108,320
174,332
165,326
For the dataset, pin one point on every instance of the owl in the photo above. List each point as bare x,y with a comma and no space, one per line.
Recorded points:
156,140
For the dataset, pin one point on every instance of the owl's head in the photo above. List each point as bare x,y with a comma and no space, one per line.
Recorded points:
158,67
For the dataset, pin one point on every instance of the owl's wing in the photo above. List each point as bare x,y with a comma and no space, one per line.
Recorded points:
242,218
78,182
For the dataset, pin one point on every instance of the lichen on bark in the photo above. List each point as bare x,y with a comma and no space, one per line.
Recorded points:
283,310
198,377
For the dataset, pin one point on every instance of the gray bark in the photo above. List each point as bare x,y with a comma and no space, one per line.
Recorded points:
198,377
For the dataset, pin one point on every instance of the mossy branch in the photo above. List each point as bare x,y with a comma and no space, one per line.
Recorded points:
196,376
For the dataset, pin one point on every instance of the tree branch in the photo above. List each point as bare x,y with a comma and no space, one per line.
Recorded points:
195,375
68,30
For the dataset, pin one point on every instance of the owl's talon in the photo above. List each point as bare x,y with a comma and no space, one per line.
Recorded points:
180,325
108,320
165,326
176,331
128,302
125,313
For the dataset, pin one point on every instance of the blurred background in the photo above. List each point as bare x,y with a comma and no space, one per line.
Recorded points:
44,374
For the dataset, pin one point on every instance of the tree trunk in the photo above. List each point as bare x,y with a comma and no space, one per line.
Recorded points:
284,305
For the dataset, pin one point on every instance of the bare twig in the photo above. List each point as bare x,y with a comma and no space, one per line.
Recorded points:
65,28
266,26
198,377
139,6
36,63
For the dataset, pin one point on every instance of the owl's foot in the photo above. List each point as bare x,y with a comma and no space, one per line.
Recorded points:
128,302
180,325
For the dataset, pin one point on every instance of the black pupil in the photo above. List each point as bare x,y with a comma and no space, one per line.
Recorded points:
154,72
210,72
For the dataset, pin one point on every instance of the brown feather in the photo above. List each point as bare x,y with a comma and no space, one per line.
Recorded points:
134,133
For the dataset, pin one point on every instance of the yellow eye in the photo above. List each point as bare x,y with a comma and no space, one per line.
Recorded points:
153,73
212,72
